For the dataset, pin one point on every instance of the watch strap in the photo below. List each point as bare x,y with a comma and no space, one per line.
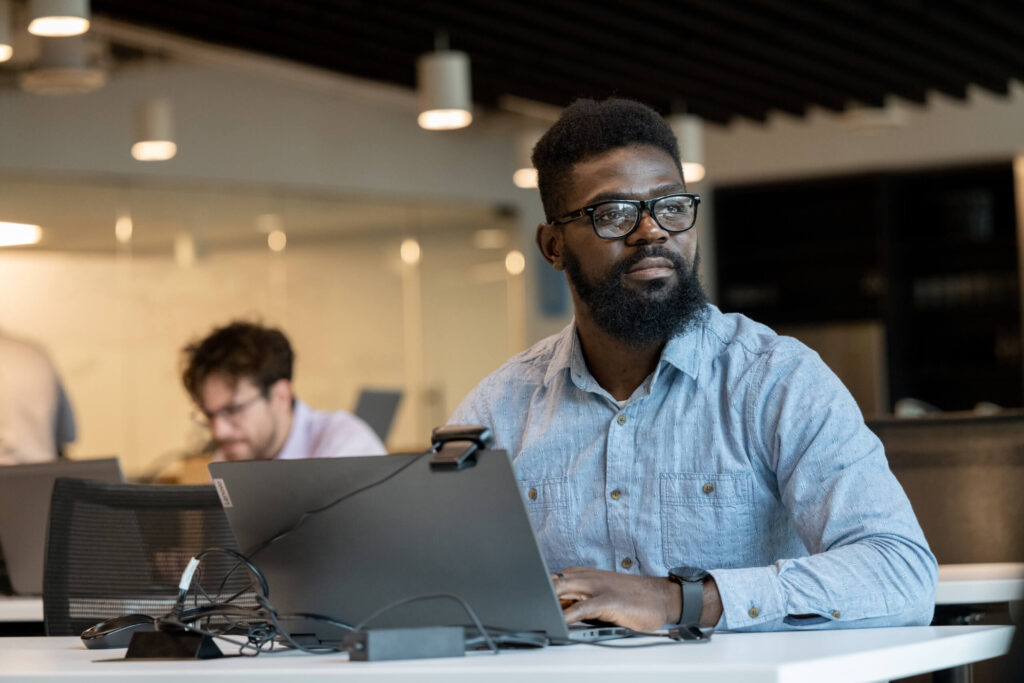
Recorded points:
693,601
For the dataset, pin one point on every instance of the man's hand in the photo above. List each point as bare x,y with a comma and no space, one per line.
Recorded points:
642,603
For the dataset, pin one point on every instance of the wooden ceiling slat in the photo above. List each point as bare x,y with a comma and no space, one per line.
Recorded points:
898,35
481,34
712,42
725,59
807,27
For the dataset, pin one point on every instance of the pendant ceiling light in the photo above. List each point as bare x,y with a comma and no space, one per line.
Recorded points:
19,234
154,133
442,81
689,132
58,18
6,46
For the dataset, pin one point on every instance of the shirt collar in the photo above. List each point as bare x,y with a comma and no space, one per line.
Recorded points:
682,352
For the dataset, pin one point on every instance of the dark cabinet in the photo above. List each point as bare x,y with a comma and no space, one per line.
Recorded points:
932,255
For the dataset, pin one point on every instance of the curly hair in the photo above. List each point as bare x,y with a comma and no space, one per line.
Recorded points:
238,350
590,127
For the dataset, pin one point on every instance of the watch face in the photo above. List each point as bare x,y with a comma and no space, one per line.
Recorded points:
688,573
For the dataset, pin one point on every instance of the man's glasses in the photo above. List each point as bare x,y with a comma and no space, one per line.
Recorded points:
618,218
231,412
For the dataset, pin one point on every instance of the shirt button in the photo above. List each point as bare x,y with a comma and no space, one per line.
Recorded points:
621,419
532,494
627,563
708,488
616,494
754,613
835,614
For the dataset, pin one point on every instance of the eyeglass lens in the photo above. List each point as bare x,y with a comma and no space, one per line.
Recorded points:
614,219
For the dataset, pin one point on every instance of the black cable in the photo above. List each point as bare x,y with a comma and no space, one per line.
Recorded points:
309,513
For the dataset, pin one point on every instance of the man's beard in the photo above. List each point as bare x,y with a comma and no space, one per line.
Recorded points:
649,313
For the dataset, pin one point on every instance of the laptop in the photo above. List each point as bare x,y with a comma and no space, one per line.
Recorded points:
25,512
413,531
377,408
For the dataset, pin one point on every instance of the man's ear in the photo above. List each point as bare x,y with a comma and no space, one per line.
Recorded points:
281,390
549,241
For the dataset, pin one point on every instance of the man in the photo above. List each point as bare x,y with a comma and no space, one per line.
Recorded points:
36,419
240,378
657,436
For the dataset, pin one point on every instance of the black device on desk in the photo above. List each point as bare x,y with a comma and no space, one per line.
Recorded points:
116,632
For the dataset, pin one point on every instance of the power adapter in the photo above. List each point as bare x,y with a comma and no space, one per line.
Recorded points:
427,642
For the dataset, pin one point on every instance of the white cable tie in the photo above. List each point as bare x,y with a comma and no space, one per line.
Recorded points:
186,576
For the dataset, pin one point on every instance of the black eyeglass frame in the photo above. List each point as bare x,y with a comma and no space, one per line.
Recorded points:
640,204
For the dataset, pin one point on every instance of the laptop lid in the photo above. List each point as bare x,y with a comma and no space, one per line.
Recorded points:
411,532
377,408
25,510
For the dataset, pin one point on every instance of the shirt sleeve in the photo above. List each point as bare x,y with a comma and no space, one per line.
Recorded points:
869,564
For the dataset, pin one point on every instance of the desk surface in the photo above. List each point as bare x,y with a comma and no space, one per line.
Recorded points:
853,656
961,584
15,608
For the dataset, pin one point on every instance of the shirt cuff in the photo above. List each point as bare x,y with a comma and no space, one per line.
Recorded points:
751,598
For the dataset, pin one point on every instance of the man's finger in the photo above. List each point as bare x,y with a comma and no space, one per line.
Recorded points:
595,608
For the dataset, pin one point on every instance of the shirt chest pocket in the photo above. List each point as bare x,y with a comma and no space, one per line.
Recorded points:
547,504
707,519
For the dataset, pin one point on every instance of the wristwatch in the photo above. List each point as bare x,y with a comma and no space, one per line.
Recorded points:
691,582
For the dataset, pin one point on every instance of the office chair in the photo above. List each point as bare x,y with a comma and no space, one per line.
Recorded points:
117,549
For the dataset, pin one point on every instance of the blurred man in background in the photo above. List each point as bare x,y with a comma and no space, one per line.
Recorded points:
240,378
36,419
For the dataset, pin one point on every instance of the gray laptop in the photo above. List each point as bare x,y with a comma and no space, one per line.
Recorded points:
25,512
377,408
416,532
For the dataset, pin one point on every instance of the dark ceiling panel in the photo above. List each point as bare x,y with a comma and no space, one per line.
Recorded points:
720,59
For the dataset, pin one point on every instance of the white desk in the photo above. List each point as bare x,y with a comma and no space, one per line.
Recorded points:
967,584
18,609
854,656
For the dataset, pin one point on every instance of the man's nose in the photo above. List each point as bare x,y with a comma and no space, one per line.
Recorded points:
220,427
648,232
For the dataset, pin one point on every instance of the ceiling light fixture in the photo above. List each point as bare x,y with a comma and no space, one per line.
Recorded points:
515,262
19,234
689,132
154,137
6,46
277,240
442,81
123,228
410,251
526,175
58,18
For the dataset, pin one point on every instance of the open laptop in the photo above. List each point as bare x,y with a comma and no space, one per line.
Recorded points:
25,513
377,408
413,531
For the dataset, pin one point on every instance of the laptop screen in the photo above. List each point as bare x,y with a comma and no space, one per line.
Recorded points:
24,513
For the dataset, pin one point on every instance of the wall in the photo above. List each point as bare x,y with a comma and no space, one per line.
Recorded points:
115,327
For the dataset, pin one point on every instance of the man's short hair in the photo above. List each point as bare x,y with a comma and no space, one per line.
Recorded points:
236,351
587,128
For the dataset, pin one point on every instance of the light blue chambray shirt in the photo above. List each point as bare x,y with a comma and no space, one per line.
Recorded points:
741,453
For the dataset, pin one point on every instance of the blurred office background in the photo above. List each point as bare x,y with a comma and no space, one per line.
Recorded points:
863,192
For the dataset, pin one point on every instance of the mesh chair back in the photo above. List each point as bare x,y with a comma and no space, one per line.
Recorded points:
121,548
